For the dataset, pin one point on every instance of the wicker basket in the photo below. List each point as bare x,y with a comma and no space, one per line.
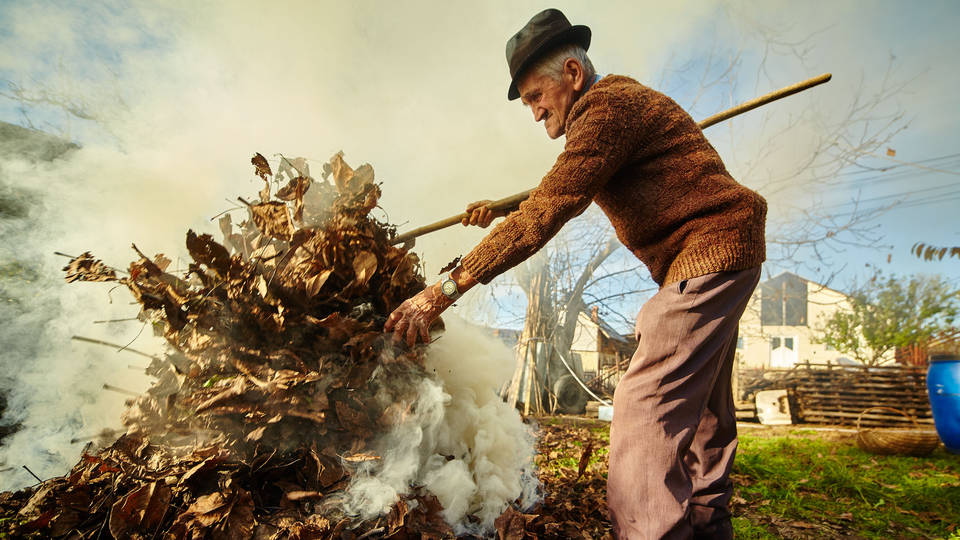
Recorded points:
911,442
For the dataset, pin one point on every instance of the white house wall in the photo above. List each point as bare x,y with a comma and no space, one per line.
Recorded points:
756,338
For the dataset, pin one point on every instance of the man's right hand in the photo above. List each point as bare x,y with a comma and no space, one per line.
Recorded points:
481,214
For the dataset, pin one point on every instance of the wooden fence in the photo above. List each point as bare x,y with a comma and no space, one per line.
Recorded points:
833,394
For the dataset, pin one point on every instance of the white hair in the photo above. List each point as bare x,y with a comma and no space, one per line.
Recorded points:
551,65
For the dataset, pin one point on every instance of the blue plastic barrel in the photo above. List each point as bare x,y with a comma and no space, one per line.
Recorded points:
943,385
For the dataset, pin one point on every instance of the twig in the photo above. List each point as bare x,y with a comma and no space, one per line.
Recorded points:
119,348
120,390
225,211
33,475
284,158
371,532
104,433
116,320
103,525
134,338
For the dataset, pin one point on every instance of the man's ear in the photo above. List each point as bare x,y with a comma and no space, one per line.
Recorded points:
574,70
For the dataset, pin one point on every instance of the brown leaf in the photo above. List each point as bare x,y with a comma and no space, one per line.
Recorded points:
236,389
256,434
262,167
350,418
318,417
342,173
330,473
273,219
397,516
315,283
294,189
209,462
86,268
42,521
204,512
364,266
140,510
206,251
510,525
361,457
585,459
300,495
450,266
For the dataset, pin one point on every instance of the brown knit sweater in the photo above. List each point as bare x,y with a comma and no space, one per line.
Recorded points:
648,166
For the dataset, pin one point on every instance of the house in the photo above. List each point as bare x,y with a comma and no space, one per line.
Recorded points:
599,346
779,326
596,347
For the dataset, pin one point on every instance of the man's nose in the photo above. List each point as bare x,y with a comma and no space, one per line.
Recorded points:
538,113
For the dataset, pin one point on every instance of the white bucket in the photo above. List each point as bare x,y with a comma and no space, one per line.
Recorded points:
605,413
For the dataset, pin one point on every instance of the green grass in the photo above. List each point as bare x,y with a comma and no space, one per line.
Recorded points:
803,481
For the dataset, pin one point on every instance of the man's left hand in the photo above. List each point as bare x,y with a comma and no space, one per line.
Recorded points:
415,315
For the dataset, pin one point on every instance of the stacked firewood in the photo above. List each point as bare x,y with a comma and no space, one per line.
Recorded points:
277,380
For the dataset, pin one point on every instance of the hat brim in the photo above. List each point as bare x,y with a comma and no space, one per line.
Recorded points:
578,34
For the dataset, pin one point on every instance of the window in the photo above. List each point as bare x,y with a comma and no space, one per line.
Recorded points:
775,343
783,301
741,343
788,342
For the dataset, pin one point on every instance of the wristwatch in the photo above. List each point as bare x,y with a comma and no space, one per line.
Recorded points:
449,288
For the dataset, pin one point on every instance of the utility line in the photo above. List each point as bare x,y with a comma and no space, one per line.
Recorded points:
898,195
913,164
929,201
893,167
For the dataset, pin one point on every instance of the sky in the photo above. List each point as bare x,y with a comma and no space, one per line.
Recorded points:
184,94
180,95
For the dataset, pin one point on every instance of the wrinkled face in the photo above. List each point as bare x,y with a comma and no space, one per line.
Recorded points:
551,100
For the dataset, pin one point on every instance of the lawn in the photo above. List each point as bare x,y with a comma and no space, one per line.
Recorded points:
791,482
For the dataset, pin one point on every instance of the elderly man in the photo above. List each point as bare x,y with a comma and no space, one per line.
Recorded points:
647,165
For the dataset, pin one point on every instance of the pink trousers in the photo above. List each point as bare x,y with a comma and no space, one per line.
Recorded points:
674,431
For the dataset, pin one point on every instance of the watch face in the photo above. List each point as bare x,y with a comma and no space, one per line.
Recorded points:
449,287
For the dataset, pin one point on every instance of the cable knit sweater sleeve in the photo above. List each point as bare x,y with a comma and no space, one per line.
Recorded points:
600,138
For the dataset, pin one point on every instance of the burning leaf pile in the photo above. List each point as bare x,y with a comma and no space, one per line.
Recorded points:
281,398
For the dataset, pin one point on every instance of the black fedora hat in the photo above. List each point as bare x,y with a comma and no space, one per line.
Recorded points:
545,31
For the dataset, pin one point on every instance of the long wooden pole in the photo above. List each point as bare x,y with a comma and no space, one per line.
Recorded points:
513,201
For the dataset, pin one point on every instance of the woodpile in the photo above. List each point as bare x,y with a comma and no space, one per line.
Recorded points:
833,394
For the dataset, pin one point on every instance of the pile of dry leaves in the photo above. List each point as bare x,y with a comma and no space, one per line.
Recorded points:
572,464
278,379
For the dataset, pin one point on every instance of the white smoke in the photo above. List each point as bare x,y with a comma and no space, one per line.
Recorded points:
460,442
